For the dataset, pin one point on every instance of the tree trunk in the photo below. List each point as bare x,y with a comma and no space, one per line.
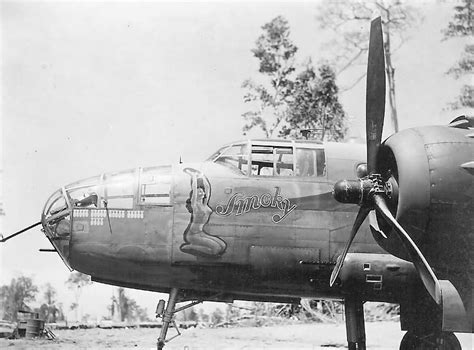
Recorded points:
391,81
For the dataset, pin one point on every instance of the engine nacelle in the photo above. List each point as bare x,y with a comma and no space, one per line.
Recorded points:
434,191
432,167
377,276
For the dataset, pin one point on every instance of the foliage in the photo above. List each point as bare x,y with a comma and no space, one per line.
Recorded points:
285,104
74,306
125,308
275,51
192,315
462,22
316,105
256,314
189,314
49,311
217,317
232,313
16,296
465,64
465,99
85,318
462,26
349,20
76,282
202,316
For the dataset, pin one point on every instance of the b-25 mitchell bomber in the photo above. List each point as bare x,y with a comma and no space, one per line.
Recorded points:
274,220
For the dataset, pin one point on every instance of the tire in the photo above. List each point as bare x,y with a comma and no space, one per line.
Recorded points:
436,341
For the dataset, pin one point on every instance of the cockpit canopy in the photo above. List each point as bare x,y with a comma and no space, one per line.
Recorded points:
273,158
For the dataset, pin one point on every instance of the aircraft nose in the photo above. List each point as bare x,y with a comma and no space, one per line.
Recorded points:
103,204
57,216
56,221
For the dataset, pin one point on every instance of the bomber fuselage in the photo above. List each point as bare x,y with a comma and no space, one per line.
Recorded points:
256,220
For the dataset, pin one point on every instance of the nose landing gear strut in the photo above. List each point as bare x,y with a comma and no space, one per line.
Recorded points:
167,316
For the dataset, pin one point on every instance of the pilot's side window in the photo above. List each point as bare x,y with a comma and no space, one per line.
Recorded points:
235,157
310,162
272,161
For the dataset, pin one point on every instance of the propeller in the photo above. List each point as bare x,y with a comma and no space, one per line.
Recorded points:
350,191
371,191
375,94
427,275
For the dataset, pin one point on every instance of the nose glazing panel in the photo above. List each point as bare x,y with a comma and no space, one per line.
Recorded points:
56,221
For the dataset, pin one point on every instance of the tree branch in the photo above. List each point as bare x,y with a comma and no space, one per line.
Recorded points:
353,84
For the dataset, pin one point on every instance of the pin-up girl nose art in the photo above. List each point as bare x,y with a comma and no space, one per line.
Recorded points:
197,241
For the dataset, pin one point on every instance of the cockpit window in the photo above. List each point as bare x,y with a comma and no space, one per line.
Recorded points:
272,160
84,193
123,190
155,186
310,162
268,159
119,189
235,157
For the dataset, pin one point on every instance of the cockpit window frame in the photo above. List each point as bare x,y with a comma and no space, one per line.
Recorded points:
295,145
260,147
132,198
107,182
155,199
319,167
245,157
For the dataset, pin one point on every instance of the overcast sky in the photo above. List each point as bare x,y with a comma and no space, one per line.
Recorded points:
91,87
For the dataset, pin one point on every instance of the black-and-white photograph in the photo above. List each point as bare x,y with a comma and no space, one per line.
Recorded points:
237,175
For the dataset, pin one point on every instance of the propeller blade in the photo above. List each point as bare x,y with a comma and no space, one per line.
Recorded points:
375,95
427,275
361,215
19,232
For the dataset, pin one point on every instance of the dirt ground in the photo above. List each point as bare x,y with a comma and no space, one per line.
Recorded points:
380,336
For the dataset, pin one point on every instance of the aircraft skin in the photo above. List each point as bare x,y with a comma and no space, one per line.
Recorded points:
277,237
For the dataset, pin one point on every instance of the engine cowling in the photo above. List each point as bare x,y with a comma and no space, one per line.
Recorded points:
435,190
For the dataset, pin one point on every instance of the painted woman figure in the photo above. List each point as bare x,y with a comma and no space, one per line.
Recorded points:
198,241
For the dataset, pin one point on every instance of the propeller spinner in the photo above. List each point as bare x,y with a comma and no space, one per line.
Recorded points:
372,191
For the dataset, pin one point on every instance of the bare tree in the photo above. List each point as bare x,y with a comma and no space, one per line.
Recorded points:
349,21
76,282
123,308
